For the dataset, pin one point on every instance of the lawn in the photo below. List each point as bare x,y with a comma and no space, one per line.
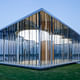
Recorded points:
69,72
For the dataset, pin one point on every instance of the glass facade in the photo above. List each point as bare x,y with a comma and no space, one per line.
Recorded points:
39,40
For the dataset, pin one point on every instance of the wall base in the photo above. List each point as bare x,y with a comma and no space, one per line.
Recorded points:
39,67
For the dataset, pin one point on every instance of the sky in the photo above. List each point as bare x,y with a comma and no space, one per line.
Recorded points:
68,11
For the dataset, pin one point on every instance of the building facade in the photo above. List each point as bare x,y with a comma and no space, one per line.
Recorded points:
39,40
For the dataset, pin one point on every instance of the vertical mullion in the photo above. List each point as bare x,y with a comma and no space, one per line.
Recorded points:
3,46
29,40
51,40
36,39
39,38
32,50
8,45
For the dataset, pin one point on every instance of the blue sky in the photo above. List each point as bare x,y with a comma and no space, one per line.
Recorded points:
68,11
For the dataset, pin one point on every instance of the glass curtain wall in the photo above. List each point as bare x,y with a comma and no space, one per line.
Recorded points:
57,41
39,39
20,42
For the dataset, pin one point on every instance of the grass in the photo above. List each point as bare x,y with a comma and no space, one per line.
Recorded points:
69,72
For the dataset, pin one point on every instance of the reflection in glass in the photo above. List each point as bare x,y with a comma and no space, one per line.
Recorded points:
39,40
